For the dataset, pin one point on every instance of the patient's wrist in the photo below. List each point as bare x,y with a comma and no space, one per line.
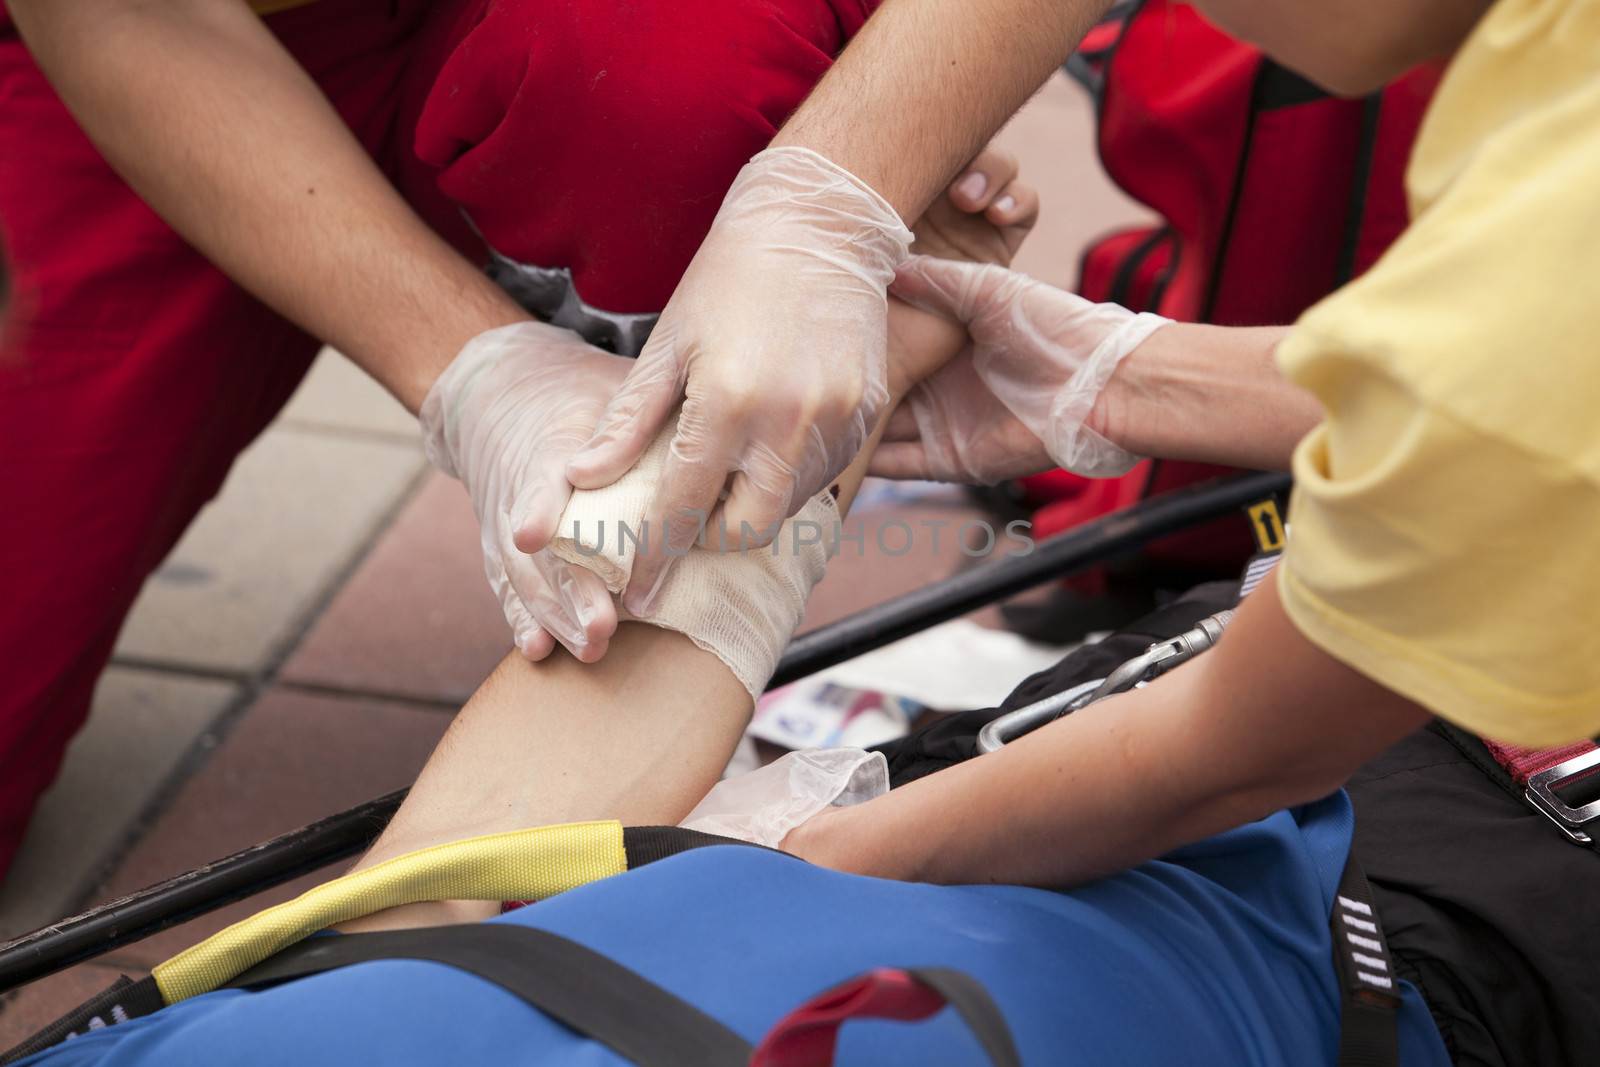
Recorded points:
741,606
920,342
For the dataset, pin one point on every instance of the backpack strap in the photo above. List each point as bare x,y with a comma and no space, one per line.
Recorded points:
806,1036
1368,991
1562,784
123,1000
571,983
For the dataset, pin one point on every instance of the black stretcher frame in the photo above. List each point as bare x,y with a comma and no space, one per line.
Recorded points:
256,869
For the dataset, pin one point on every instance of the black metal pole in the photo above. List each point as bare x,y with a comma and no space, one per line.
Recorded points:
282,859
194,893
1067,552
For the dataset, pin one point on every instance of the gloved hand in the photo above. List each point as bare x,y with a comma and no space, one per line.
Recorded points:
505,417
775,342
1021,396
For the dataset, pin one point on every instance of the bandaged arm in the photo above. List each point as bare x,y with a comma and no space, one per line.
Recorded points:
640,736
741,606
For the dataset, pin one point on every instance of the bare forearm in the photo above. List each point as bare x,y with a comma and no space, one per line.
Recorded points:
926,84
639,736
1207,393
559,740
202,111
1264,721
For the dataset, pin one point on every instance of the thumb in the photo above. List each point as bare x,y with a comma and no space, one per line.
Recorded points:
953,288
636,413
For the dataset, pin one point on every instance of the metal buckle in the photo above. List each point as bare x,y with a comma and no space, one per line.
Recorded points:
1541,793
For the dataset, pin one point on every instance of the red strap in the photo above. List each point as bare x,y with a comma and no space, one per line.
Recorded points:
1524,763
806,1036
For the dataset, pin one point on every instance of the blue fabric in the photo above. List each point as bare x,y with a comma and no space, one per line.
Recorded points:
1217,954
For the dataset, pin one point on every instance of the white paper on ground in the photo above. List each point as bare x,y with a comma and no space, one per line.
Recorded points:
817,713
950,667
764,805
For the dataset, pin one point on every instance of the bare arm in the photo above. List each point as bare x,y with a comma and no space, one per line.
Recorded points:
643,734
640,736
1264,721
217,127
927,82
1212,394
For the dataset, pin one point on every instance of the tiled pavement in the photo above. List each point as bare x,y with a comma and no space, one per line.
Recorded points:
303,647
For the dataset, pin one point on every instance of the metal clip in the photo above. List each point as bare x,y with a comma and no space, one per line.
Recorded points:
1541,794
1152,662
549,293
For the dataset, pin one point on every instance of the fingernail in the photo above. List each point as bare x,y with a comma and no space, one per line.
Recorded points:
973,185
1006,204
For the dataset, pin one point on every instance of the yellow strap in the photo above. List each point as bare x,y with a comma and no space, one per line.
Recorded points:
520,865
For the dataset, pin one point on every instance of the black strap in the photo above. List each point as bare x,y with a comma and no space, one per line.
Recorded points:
646,844
1368,986
125,999
595,996
977,1009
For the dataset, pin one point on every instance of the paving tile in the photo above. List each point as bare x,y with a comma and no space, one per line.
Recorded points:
337,394
1053,138
417,618
294,758
30,1009
296,507
141,725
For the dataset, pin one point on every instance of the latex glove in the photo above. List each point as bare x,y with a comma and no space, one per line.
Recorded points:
761,807
952,428
775,342
1040,358
505,417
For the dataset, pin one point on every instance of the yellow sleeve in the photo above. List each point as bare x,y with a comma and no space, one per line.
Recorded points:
1452,567
1446,520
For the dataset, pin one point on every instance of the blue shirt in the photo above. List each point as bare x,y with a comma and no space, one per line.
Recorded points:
1216,954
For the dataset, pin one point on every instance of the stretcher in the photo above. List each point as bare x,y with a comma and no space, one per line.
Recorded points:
253,870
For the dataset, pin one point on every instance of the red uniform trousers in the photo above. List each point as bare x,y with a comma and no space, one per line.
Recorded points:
598,135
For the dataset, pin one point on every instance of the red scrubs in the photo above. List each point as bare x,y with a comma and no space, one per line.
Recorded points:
598,135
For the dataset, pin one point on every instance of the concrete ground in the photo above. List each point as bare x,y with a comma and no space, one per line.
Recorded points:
307,642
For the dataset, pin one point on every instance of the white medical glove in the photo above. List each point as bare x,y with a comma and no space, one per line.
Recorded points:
1039,359
505,417
775,342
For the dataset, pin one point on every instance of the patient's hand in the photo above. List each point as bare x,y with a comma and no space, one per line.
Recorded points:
982,218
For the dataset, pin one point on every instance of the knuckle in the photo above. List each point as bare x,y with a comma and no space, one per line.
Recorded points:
827,405
734,394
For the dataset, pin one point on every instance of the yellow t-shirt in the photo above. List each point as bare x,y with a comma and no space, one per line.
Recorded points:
1447,513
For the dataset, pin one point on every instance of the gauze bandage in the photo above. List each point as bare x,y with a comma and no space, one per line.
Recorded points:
741,607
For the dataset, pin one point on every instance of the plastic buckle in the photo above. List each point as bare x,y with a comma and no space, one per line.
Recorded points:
1541,793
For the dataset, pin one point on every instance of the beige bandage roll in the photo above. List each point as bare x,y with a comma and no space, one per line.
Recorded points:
741,607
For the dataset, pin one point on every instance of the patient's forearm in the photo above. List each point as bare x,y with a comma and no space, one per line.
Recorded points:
1207,393
639,737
